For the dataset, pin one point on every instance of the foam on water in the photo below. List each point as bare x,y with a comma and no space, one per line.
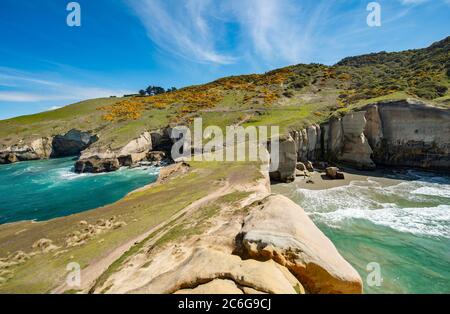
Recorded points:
420,206
41,190
405,228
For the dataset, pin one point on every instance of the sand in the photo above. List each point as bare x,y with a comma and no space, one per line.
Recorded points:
322,182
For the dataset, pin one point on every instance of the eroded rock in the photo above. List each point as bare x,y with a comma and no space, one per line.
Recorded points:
280,230
206,265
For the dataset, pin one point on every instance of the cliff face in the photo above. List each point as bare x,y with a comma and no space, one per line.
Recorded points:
69,144
409,134
403,133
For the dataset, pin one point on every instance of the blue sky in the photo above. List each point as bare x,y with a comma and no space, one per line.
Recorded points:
125,45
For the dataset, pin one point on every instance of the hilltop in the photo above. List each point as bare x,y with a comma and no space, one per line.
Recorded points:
291,97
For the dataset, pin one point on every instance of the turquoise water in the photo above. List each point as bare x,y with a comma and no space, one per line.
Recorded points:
41,190
405,228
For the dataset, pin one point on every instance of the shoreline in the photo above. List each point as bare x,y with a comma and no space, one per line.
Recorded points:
385,177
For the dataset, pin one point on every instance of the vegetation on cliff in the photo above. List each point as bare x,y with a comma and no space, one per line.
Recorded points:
290,97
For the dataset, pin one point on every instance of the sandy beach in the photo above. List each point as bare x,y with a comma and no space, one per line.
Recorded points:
321,182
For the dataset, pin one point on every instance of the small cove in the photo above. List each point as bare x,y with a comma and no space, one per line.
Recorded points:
46,189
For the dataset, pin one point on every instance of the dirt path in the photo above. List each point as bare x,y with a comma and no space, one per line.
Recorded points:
99,266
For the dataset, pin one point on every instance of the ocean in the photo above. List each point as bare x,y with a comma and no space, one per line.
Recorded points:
403,229
46,189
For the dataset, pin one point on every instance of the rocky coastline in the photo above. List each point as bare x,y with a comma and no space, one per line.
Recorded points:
405,133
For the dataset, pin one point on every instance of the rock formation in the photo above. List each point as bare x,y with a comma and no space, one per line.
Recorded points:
285,171
72,143
280,230
394,133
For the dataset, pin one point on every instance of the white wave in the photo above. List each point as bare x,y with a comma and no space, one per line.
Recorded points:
410,206
441,191
432,221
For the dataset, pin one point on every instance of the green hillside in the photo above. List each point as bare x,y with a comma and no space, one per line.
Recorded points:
290,97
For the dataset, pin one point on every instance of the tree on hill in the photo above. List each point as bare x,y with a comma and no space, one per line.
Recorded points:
155,90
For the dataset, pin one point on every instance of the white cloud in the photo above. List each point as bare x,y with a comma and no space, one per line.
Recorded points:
281,30
29,87
181,28
268,30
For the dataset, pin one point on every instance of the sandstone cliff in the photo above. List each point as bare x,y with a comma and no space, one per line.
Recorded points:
406,133
264,243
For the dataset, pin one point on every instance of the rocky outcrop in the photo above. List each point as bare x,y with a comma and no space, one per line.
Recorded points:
72,143
98,159
280,230
69,144
36,149
287,160
356,149
270,247
207,265
392,133
409,133
96,164
153,147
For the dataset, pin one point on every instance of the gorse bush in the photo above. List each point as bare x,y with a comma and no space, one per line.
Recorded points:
423,73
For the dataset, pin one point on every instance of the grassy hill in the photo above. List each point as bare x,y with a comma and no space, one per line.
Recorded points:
290,97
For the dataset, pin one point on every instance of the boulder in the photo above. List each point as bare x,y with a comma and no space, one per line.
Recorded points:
331,172
132,159
280,230
301,166
309,166
156,156
8,158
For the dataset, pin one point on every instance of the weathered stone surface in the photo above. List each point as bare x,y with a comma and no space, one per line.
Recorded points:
139,145
132,159
97,165
72,143
309,166
216,286
374,128
156,156
287,161
356,150
414,134
281,231
102,159
40,148
301,166
331,172
205,265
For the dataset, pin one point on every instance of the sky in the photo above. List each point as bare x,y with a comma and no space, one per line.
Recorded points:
123,46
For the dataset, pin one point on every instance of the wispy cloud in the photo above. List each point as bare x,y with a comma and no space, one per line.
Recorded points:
181,28
31,87
274,31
